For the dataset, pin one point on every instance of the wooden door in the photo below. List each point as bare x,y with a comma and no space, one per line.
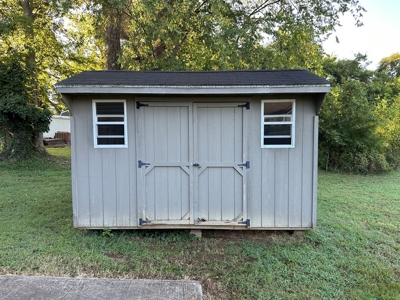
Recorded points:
192,164
220,152
164,164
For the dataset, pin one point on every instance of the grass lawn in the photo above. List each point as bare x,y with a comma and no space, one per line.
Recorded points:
354,253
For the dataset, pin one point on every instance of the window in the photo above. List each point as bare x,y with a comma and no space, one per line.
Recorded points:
109,124
277,121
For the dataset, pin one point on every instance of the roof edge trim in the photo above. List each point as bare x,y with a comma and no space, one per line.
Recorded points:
191,90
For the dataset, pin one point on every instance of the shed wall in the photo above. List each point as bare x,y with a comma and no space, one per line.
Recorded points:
280,181
103,180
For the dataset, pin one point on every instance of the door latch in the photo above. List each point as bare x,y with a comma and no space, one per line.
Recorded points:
196,165
246,222
141,164
246,165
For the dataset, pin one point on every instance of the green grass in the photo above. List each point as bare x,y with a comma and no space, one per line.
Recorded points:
354,253
60,151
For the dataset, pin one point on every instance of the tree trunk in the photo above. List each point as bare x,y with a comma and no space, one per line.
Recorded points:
113,39
30,60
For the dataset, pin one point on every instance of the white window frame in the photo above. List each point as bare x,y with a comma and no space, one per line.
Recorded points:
96,123
292,123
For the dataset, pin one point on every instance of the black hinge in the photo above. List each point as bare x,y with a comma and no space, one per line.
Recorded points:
142,222
247,105
141,164
246,164
247,223
140,104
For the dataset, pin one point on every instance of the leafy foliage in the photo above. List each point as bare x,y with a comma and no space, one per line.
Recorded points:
390,66
53,40
360,117
19,119
220,34
35,34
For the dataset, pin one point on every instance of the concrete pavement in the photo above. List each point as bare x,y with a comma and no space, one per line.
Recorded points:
38,288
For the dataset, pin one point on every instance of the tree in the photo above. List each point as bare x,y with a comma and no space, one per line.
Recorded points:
218,34
387,90
390,66
348,126
53,39
21,121
389,129
33,33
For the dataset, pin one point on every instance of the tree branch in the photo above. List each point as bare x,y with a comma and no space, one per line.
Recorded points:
262,6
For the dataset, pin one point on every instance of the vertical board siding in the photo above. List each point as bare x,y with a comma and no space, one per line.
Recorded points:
215,149
315,172
201,141
256,180
286,178
80,161
109,189
127,182
203,195
268,188
240,152
219,143
148,143
295,170
228,187
238,194
214,194
74,175
306,209
280,182
185,149
104,184
123,181
160,185
166,141
96,187
282,187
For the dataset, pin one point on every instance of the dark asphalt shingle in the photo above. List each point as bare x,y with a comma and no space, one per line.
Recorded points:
194,78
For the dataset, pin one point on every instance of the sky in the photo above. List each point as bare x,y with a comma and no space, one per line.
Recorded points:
378,38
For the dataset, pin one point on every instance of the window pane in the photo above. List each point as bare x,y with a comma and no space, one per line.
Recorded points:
277,141
287,118
278,108
110,119
110,129
277,129
109,108
110,141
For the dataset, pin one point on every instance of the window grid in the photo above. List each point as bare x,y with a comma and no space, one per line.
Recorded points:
271,137
105,138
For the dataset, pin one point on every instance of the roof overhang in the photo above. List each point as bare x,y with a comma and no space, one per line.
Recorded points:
192,90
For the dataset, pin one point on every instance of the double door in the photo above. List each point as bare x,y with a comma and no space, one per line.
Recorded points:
192,163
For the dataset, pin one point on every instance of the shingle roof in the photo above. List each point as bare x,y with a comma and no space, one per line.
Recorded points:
194,78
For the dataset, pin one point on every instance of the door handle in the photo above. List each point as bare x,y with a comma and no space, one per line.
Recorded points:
196,165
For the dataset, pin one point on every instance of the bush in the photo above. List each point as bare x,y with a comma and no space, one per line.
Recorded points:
348,138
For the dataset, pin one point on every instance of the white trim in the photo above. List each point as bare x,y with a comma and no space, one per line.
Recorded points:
292,123
96,123
315,172
191,90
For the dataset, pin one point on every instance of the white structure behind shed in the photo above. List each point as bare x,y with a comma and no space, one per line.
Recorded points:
58,124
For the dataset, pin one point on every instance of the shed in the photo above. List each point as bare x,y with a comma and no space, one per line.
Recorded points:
197,150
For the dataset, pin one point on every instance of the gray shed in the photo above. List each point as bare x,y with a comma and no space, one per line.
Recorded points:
198,150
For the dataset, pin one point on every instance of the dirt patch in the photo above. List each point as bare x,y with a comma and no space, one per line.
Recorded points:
258,236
